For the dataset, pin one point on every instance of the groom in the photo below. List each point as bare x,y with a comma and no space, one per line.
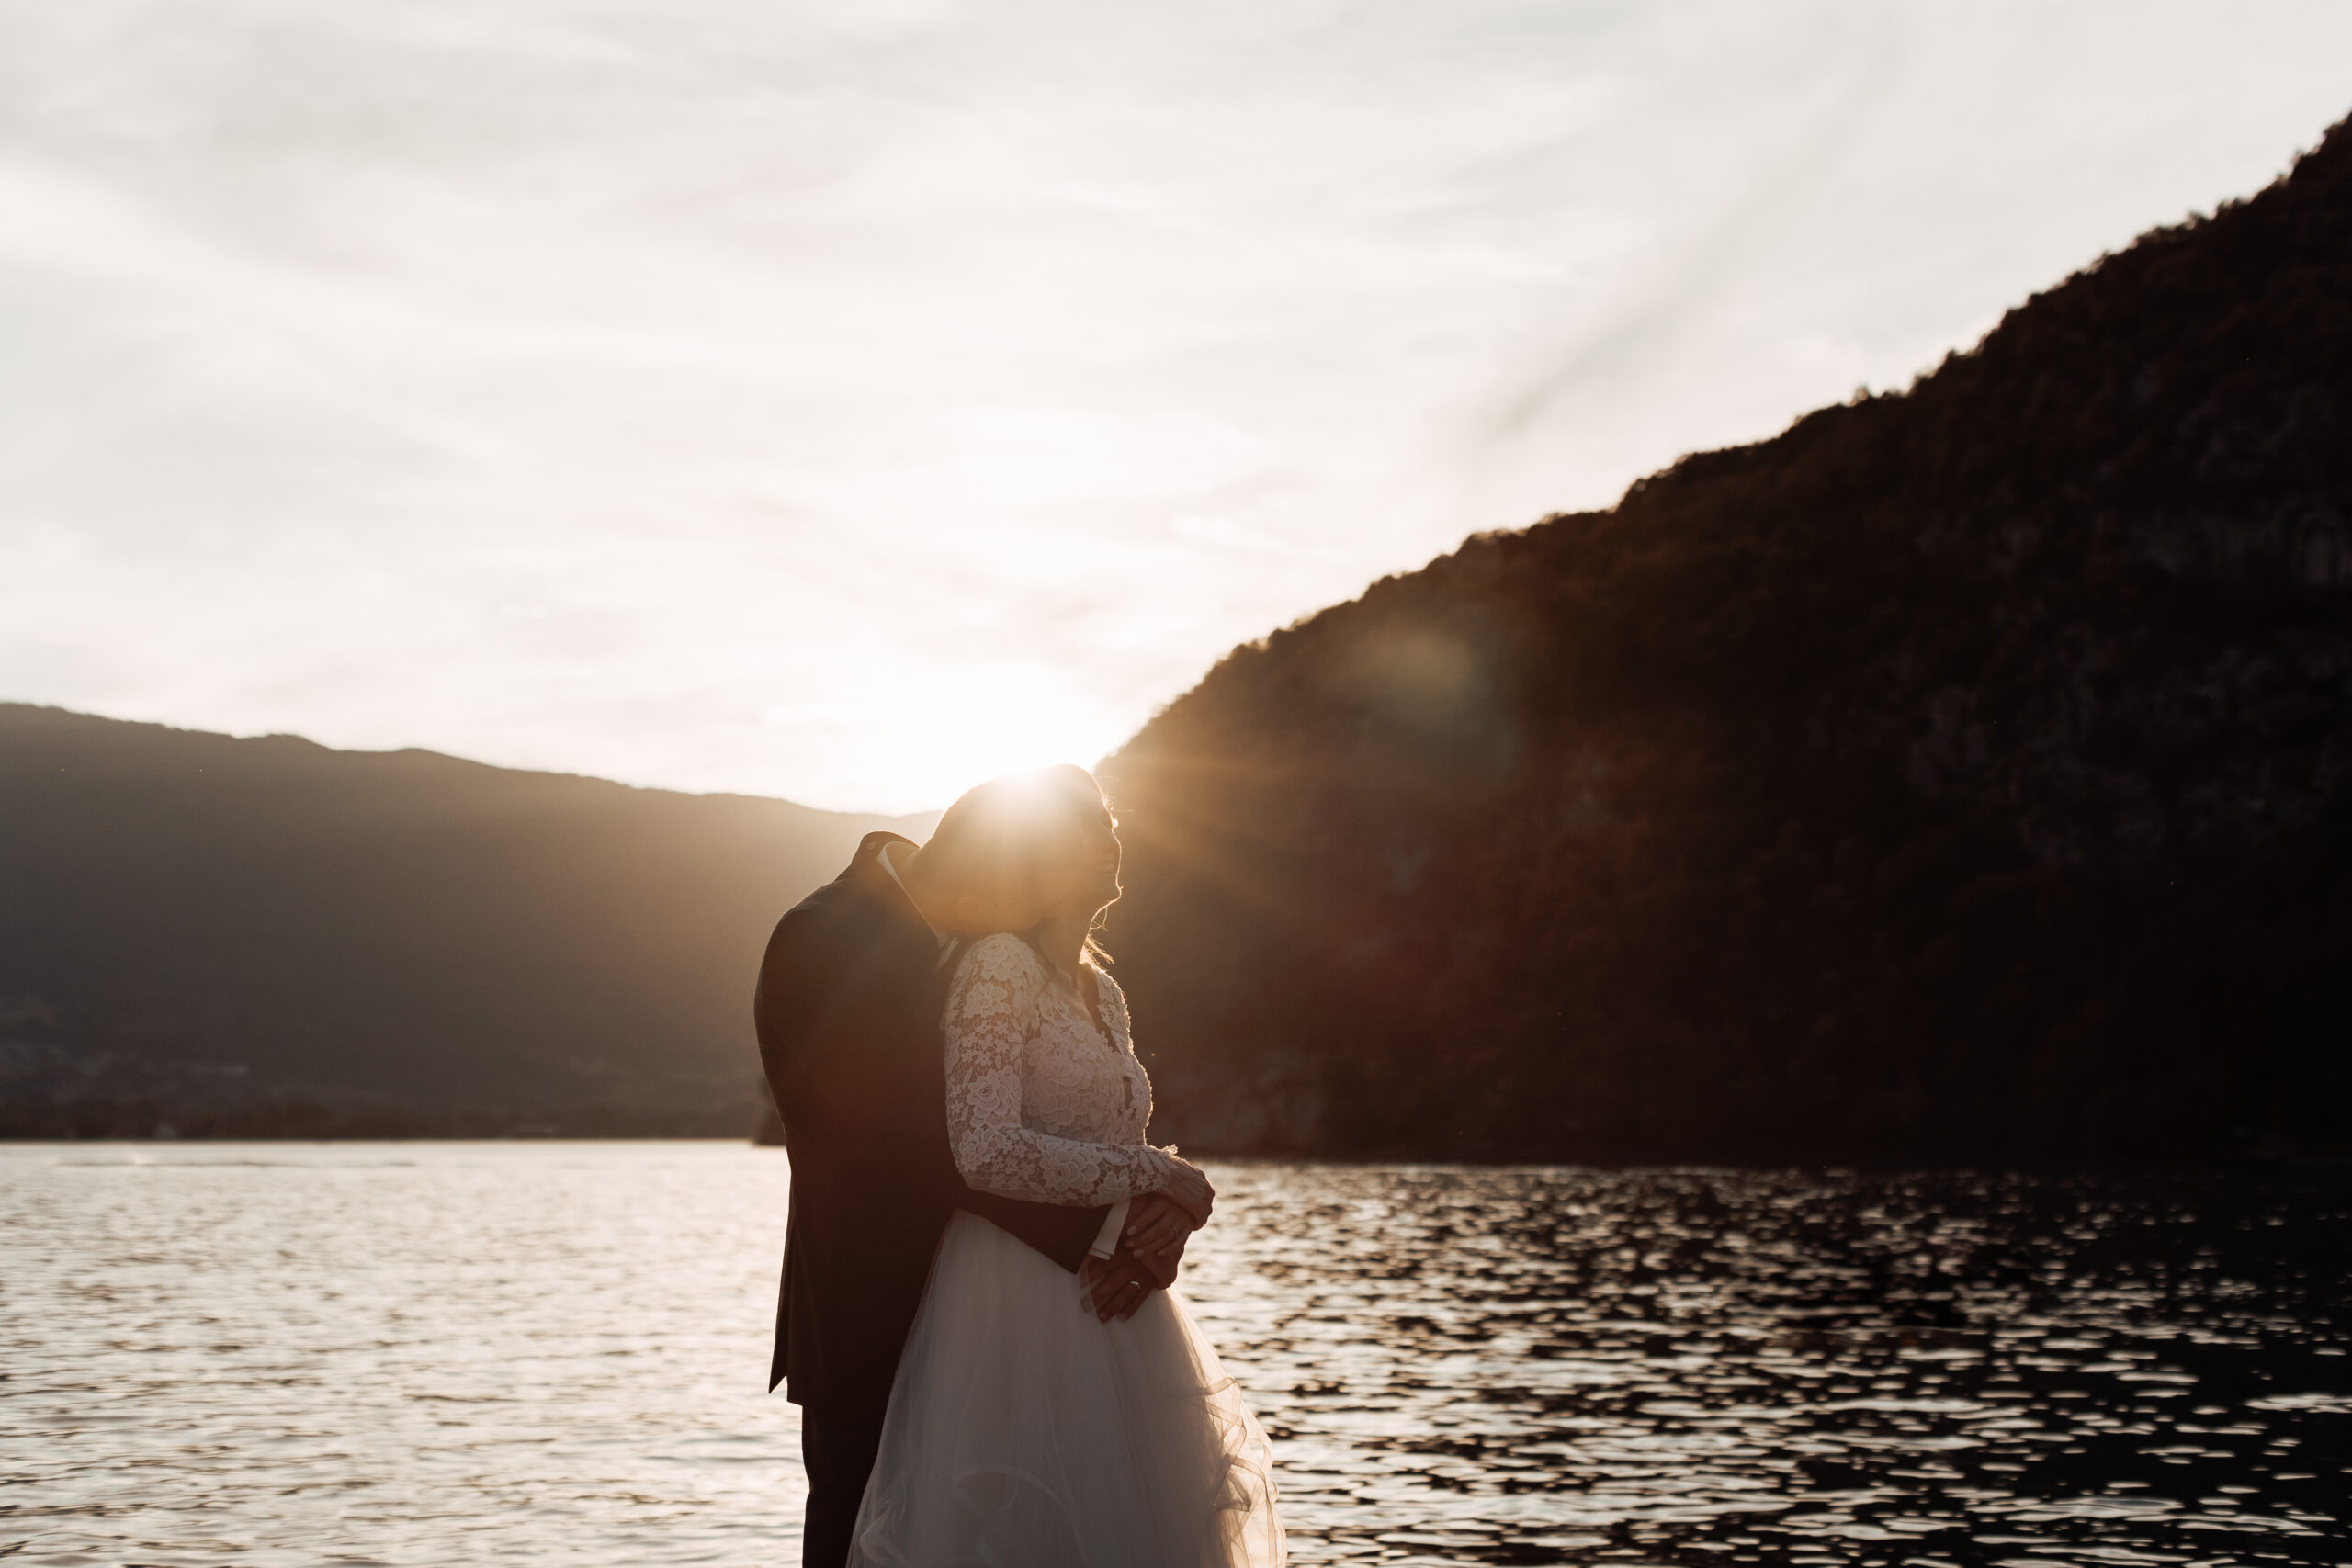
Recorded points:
848,1011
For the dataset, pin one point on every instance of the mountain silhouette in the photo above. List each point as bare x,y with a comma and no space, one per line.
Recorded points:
266,937
1965,773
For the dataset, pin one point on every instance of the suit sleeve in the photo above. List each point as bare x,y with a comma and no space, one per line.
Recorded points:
792,998
806,979
1063,1235
813,1044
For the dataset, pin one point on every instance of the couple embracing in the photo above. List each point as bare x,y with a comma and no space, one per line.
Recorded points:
976,1318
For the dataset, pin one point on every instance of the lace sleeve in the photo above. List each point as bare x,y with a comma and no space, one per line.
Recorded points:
991,1012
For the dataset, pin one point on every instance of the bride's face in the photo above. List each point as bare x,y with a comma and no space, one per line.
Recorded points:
1097,861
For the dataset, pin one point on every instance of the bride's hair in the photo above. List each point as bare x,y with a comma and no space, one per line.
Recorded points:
1007,854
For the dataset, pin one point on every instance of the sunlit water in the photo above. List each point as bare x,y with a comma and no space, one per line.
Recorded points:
553,1353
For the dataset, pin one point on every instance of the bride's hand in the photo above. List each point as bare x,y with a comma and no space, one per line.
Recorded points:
1156,1223
1190,1191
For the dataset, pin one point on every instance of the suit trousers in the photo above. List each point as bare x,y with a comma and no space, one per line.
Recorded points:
837,1446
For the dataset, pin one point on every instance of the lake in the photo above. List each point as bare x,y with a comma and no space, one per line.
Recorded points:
554,1353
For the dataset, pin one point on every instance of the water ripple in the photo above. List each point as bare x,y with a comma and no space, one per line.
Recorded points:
552,1353
1557,1366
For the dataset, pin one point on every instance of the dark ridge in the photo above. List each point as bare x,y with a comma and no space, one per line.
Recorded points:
268,938
1964,774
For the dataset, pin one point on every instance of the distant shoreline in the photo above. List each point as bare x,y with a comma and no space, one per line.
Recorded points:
2274,1160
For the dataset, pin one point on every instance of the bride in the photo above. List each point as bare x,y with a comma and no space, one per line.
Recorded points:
1024,1432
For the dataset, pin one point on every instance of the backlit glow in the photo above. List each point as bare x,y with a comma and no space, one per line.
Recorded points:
848,401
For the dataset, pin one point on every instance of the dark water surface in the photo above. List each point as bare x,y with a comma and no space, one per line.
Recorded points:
553,1353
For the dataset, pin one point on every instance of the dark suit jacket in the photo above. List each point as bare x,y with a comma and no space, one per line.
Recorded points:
848,1014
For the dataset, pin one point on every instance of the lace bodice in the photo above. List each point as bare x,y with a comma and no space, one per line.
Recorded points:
1039,1104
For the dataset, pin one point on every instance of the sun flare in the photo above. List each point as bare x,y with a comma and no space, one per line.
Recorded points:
971,726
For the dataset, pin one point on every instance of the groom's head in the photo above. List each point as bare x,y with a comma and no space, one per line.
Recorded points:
1009,853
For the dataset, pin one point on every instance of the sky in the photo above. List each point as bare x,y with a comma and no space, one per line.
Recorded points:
850,400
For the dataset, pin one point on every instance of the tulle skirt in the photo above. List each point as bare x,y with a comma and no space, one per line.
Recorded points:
1023,1434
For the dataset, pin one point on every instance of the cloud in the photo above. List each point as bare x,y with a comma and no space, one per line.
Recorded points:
1862,60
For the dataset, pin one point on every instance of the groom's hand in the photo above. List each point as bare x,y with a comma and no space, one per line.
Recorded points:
1165,1263
1119,1284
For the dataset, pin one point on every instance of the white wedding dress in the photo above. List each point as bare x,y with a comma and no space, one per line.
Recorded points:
1023,1433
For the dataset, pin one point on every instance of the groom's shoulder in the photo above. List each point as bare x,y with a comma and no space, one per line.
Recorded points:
809,949
831,908
841,909
837,894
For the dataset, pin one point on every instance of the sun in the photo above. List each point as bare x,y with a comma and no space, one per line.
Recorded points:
968,726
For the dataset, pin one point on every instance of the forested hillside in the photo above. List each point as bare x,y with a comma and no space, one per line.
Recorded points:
1965,773
261,937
